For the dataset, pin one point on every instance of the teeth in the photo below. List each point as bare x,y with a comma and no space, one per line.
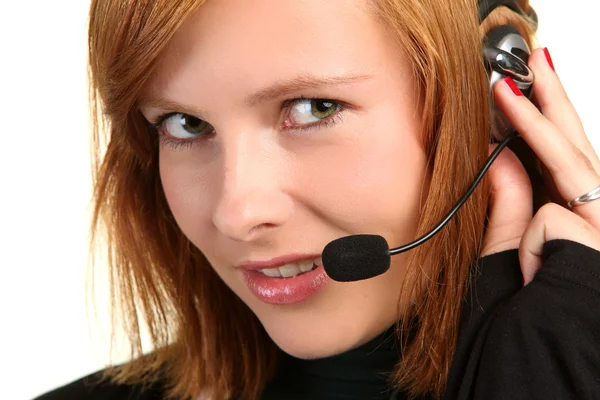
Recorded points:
305,266
272,272
289,270
292,269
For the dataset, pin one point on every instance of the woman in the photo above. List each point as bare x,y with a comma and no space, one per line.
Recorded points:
245,136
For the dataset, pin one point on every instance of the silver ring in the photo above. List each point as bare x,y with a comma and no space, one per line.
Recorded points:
592,195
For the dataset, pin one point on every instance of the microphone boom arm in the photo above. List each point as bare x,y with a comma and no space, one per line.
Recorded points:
461,202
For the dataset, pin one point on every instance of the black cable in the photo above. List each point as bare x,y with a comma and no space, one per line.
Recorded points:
444,221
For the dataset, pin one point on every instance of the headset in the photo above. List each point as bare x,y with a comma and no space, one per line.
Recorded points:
505,53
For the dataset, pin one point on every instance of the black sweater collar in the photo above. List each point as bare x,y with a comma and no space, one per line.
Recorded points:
360,373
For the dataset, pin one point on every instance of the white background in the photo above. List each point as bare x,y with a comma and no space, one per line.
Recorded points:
45,337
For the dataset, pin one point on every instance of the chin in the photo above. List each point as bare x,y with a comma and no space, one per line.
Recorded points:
338,318
321,347
316,337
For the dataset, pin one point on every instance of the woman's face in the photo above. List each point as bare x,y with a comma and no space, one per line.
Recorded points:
257,174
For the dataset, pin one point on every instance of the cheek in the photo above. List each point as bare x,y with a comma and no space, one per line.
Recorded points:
374,183
186,189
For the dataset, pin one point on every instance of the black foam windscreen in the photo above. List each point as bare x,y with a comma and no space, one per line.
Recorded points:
356,257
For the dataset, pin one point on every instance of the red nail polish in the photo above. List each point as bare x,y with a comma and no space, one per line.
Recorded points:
513,86
548,58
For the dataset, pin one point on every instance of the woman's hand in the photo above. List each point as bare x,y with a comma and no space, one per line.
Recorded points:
572,168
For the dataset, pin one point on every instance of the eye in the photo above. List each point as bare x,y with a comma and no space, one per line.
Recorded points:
306,111
183,126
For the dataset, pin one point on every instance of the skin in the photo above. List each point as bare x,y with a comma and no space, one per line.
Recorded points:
256,188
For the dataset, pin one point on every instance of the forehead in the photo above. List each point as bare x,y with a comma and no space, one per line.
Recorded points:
241,45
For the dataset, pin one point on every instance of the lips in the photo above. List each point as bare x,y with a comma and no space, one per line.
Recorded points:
278,261
280,290
286,290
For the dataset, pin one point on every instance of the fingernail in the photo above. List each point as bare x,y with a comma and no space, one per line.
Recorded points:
548,58
513,86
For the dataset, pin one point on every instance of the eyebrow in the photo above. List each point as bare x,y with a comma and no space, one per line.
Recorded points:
165,104
275,91
302,82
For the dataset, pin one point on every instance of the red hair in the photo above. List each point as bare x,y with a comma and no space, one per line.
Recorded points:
205,339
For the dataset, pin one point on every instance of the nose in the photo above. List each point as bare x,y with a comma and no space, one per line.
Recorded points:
252,200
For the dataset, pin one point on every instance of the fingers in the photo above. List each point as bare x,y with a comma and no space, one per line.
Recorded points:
510,203
556,136
554,103
552,222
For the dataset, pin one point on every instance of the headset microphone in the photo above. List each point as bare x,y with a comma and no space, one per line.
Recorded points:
358,257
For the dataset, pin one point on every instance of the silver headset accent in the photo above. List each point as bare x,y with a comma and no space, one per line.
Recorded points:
506,53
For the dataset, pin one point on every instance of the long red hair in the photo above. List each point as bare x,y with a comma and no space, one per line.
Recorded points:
204,338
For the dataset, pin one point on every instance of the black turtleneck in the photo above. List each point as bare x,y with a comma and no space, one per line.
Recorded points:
358,374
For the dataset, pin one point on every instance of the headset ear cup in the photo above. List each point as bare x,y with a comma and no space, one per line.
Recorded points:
495,36
508,39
